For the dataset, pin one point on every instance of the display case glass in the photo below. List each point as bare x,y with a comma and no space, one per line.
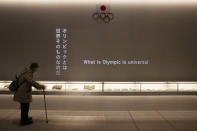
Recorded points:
121,87
83,86
158,86
4,85
53,86
187,86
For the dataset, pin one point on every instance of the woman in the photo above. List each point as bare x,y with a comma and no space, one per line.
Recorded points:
23,95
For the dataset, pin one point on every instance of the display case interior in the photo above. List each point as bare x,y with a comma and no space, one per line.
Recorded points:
4,85
158,86
83,86
121,87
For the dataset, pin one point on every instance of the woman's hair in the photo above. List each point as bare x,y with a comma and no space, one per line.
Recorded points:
34,65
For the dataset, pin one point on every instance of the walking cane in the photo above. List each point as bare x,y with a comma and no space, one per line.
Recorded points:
45,106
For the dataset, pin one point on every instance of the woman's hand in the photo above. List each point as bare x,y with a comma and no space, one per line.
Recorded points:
43,87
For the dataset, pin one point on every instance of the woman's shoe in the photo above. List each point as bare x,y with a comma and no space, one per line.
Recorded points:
26,122
29,118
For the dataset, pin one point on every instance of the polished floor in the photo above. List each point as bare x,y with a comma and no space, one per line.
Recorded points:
104,113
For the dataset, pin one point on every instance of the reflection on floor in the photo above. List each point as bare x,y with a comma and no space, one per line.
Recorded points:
81,118
102,120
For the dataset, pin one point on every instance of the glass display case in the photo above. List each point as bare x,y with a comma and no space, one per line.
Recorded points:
53,86
158,86
187,86
121,87
4,85
83,86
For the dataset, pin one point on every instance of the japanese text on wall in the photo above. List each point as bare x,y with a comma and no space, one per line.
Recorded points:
61,50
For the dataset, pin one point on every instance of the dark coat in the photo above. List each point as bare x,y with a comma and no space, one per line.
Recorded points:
24,92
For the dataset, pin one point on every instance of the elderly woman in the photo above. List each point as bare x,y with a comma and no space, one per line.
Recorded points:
23,95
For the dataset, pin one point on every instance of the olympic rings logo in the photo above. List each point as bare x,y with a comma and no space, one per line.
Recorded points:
102,17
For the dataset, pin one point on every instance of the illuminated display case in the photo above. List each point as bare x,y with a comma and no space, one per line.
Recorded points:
53,86
84,86
79,86
4,85
121,87
187,86
158,86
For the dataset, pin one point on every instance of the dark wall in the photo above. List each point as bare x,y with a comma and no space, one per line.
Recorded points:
165,35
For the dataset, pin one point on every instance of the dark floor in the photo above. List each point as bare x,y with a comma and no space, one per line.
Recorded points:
104,113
